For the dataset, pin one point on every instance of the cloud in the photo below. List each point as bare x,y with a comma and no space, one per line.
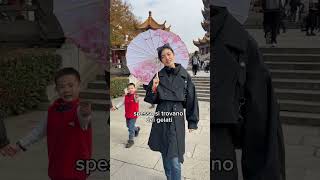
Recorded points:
184,16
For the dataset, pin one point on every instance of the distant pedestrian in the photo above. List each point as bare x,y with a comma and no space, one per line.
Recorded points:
271,20
195,61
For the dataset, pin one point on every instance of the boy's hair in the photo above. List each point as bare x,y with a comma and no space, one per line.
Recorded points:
131,84
66,71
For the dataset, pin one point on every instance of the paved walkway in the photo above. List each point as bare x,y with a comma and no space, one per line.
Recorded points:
200,73
33,164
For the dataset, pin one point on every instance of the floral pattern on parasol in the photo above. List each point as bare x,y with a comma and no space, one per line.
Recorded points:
142,55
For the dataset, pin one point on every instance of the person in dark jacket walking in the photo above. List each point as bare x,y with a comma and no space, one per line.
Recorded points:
172,90
195,61
244,109
271,20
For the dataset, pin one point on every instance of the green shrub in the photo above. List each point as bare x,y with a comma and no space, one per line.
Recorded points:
117,85
24,76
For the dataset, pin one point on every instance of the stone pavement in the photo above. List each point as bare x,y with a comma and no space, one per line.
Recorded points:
139,162
33,164
200,73
293,38
302,148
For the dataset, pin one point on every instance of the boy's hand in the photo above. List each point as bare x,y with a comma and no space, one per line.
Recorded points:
10,150
85,108
113,108
136,98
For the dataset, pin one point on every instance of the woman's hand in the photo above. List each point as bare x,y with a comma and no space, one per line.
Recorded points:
155,82
10,150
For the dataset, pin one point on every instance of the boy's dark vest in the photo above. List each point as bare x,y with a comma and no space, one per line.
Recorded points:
67,142
130,106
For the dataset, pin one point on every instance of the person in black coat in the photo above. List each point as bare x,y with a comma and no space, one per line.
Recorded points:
271,20
172,90
244,109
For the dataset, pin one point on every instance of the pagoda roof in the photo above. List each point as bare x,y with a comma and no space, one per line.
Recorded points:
205,2
206,13
150,23
205,25
205,40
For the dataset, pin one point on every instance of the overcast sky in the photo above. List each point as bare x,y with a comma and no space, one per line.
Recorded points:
184,16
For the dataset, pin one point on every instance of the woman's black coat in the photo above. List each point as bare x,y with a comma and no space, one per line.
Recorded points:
169,137
260,138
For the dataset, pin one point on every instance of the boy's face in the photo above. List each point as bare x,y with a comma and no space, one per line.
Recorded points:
68,87
131,89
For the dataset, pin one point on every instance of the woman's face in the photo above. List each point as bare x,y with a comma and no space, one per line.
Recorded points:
168,58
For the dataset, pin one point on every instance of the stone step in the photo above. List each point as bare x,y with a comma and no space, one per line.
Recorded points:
201,81
300,84
100,77
100,105
291,57
202,84
295,74
206,91
265,50
299,106
200,78
95,94
299,118
199,94
97,85
259,26
298,95
201,98
200,87
206,87
293,65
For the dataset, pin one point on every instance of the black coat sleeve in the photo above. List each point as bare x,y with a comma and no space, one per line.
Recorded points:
3,135
151,97
192,106
263,147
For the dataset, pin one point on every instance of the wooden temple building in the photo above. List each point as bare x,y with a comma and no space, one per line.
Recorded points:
150,23
204,42
118,54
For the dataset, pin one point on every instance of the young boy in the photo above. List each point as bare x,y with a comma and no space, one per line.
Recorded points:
67,128
131,104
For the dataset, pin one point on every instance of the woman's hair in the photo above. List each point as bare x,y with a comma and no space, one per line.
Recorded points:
161,48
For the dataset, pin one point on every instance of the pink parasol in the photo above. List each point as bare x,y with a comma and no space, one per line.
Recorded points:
142,56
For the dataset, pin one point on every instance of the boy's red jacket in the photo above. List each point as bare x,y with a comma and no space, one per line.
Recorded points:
67,142
130,106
